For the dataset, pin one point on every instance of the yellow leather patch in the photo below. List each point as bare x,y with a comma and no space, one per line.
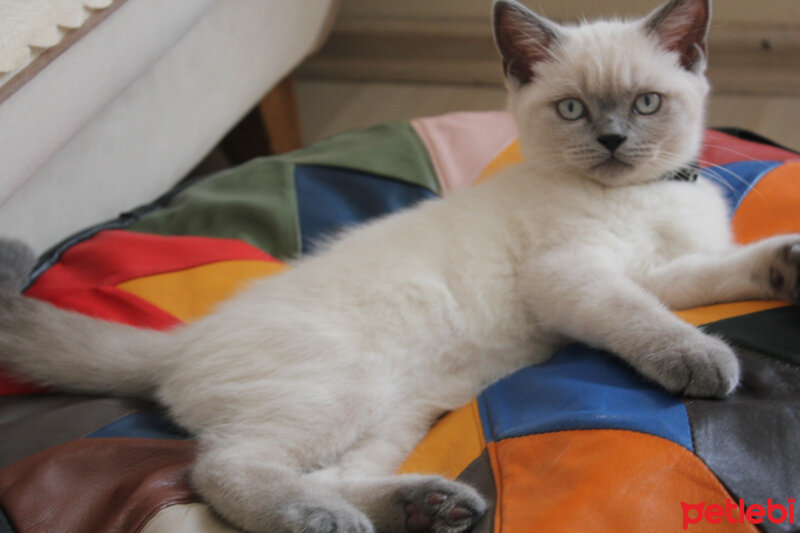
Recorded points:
511,155
450,446
705,315
192,293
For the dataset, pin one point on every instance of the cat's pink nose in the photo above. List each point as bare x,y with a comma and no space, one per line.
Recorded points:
612,141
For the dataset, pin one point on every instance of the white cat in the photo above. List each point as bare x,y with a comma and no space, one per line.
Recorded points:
307,390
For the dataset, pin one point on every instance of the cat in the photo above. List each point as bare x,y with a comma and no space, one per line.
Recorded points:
308,389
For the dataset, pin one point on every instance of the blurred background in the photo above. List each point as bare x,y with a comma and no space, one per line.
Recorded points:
389,59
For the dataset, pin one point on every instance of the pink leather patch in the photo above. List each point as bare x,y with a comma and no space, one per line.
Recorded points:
461,145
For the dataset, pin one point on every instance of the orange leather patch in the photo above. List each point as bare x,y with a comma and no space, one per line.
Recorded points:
771,207
603,481
450,446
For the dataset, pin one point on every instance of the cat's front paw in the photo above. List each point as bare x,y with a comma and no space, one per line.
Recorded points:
784,268
437,505
693,364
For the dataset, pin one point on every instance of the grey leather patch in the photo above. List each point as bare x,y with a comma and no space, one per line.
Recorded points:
751,440
32,423
775,332
479,475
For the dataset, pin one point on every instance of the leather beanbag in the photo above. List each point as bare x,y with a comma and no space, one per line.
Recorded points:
579,443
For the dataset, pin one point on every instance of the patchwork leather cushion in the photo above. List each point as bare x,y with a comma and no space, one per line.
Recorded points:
578,443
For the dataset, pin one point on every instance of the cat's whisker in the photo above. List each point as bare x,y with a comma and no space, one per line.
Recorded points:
733,151
748,187
719,168
712,167
723,182
717,172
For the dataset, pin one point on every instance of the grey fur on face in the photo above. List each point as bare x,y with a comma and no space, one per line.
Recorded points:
17,259
641,137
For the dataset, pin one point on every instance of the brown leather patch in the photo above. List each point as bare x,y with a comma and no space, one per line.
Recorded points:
97,485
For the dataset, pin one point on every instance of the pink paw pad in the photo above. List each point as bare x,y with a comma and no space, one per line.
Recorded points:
439,512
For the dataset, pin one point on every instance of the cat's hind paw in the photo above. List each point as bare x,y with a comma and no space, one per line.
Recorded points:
436,505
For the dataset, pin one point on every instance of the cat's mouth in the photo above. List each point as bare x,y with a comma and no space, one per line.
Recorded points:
612,165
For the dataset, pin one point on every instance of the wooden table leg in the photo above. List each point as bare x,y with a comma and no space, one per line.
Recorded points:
281,120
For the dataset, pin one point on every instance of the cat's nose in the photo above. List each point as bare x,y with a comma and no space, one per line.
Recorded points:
611,141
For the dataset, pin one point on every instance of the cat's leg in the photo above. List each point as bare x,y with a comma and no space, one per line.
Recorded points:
408,502
768,269
593,301
395,503
249,484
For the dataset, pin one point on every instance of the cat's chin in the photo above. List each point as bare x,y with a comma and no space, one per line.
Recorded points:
613,172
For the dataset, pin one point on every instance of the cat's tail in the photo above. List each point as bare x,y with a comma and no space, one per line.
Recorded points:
69,350
17,259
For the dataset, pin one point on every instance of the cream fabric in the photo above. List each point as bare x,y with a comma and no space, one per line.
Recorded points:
186,518
26,25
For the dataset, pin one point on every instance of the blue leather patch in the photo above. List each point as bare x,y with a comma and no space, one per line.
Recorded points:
330,199
581,388
141,425
737,179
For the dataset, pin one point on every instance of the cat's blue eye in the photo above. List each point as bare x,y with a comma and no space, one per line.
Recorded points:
647,103
571,109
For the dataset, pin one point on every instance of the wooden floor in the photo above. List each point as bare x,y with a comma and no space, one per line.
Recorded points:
328,107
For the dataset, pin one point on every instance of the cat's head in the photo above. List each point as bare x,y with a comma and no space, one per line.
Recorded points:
616,102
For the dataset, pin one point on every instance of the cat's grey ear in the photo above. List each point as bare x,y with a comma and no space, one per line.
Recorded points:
681,26
523,39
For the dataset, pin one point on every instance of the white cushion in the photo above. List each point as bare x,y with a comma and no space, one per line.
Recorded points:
72,165
50,108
